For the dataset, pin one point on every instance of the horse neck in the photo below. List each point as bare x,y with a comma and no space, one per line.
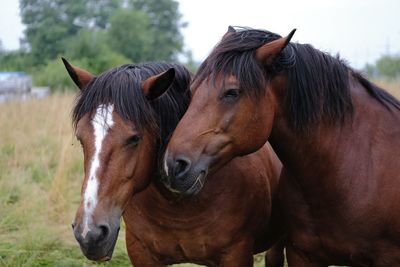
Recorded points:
304,155
157,204
319,155
222,187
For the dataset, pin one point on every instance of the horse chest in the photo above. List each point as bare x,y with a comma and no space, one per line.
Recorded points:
177,241
176,248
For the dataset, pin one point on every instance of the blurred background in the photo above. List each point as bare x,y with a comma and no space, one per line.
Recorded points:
101,34
40,161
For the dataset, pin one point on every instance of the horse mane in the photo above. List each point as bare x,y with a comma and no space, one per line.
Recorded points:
121,86
317,83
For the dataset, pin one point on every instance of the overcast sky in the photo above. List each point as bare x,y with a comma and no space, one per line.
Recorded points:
360,30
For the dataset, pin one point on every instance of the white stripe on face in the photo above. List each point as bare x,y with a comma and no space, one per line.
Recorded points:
101,123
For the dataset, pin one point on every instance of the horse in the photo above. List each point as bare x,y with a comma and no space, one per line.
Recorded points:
336,133
123,119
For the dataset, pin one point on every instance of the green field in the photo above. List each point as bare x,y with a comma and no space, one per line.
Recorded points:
40,180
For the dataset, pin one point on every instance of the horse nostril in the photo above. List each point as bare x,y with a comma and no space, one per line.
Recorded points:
73,226
181,166
104,231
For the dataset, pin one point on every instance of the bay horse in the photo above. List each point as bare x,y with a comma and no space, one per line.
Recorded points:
336,133
123,119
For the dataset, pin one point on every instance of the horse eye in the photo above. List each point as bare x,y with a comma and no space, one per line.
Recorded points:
232,93
133,140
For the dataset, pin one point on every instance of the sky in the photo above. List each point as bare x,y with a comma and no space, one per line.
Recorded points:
359,30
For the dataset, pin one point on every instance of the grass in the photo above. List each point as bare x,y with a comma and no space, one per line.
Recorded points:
40,180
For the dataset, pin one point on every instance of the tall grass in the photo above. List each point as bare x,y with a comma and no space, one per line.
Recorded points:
40,180
392,86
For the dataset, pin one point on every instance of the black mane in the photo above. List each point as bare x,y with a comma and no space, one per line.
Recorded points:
317,83
121,86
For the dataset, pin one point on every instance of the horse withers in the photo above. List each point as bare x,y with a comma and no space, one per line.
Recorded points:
336,133
123,119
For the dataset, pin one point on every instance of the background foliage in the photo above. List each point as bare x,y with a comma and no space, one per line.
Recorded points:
387,66
100,34
95,34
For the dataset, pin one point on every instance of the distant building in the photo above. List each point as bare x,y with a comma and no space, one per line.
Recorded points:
15,82
14,85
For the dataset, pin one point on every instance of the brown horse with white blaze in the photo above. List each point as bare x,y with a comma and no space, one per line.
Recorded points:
336,133
123,119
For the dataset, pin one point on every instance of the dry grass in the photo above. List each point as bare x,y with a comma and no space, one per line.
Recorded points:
40,180
392,86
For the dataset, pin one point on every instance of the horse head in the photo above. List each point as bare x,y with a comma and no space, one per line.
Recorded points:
115,124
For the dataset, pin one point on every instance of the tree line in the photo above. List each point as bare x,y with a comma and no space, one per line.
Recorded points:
94,34
387,66
100,34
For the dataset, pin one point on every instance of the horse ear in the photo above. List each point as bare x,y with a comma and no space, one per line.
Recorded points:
80,76
230,30
266,53
154,86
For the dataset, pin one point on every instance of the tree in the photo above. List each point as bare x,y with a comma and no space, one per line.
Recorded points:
389,66
386,66
94,34
100,11
165,25
18,60
90,49
87,50
50,22
131,34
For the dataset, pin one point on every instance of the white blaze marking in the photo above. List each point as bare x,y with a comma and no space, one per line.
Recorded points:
101,122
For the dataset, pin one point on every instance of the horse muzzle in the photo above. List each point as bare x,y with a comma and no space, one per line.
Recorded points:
184,177
97,241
